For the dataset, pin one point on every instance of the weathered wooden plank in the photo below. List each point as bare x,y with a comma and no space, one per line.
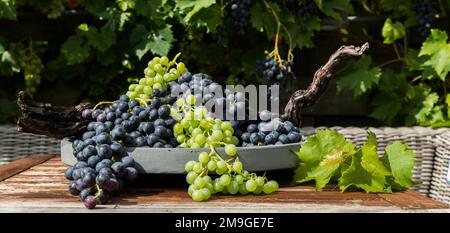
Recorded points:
410,199
43,188
21,165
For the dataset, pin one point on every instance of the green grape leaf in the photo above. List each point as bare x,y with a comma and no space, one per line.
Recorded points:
366,171
359,77
194,6
425,113
392,31
386,106
302,35
147,8
400,160
321,156
334,8
101,40
139,32
8,9
93,7
209,18
438,50
75,50
447,99
158,42
262,20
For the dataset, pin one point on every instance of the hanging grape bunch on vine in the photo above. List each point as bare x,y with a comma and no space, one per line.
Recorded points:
424,15
239,12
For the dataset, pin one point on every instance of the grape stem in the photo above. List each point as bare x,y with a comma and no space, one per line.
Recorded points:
101,103
275,53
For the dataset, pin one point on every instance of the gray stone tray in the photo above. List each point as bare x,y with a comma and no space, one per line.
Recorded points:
172,160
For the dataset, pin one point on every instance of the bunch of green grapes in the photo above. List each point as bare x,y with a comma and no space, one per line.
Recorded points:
159,72
31,65
196,129
55,9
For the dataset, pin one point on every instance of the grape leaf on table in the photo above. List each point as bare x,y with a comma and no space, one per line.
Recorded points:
321,156
400,160
366,171
358,77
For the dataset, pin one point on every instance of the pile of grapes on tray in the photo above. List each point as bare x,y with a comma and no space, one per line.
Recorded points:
163,111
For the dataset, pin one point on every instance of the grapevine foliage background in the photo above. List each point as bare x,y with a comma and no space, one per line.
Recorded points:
108,44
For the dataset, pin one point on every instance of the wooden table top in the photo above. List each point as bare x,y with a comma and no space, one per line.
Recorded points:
37,184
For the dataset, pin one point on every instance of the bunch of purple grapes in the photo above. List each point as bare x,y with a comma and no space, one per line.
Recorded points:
424,15
274,72
239,12
103,163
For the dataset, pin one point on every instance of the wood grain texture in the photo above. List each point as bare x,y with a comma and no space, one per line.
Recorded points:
43,188
20,165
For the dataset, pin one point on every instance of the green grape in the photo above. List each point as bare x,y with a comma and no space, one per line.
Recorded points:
181,67
204,157
181,138
199,182
207,179
225,180
180,102
212,165
147,90
190,99
198,195
226,125
251,185
233,188
245,174
157,86
259,181
197,168
217,135
206,193
158,68
195,145
274,185
191,177
221,165
235,140
197,131
189,166
139,88
210,187
268,188
258,190
237,166
239,179
228,133
164,61
178,128
132,87
243,189
191,189
230,149
217,186
185,123
158,79
200,139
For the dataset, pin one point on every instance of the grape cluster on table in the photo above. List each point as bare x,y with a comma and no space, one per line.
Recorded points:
273,71
425,13
159,112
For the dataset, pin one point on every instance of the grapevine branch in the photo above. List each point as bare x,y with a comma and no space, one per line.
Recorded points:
41,118
305,98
